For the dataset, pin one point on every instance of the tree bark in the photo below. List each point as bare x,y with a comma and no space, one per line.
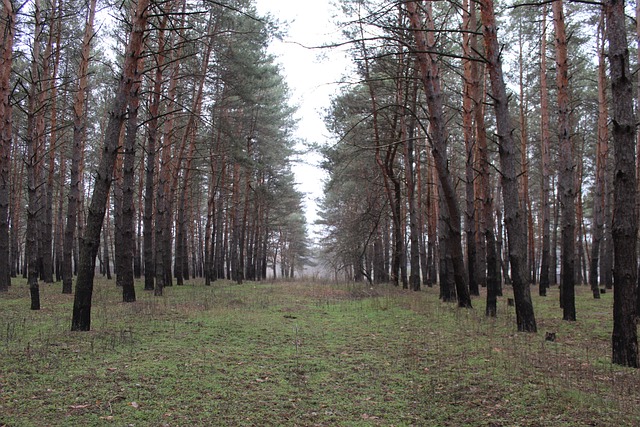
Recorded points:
467,125
545,142
81,320
431,82
34,141
79,126
8,18
151,150
514,218
124,253
625,228
566,182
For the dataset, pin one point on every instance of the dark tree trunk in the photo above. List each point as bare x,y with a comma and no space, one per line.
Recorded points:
431,83
625,227
150,187
81,320
447,283
514,218
79,126
602,150
124,254
422,236
469,142
34,140
208,249
546,161
106,232
414,230
566,180
553,268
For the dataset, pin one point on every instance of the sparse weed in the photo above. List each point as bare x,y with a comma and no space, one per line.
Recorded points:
307,354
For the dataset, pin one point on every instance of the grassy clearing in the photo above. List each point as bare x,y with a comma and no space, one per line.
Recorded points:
307,354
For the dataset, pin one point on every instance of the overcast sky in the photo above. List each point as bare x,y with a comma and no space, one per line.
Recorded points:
311,75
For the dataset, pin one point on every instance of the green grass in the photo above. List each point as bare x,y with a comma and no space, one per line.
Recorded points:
306,354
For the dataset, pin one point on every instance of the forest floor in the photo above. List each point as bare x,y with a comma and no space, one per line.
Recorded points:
307,354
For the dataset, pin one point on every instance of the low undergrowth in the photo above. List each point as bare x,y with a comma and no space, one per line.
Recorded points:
306,354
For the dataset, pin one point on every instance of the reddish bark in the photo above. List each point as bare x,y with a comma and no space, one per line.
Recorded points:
7,31
79,125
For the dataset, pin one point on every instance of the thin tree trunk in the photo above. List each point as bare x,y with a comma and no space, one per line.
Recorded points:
414,230
545,160
47,226
524,136
467,125
34,163
151,149
424,266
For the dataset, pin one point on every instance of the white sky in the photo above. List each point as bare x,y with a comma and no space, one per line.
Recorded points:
312,76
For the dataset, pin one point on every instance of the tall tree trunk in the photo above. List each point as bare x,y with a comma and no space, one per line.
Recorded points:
7,31
388,174
447,283
468,26
432,225
554,242
545,142
625,228
414,230
106,241
514,218
34,139
638,143
15,207
52,94
566,180
431,82
189,138
422,236
486,227
124,254
151,150
524,161
79,132
81,320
